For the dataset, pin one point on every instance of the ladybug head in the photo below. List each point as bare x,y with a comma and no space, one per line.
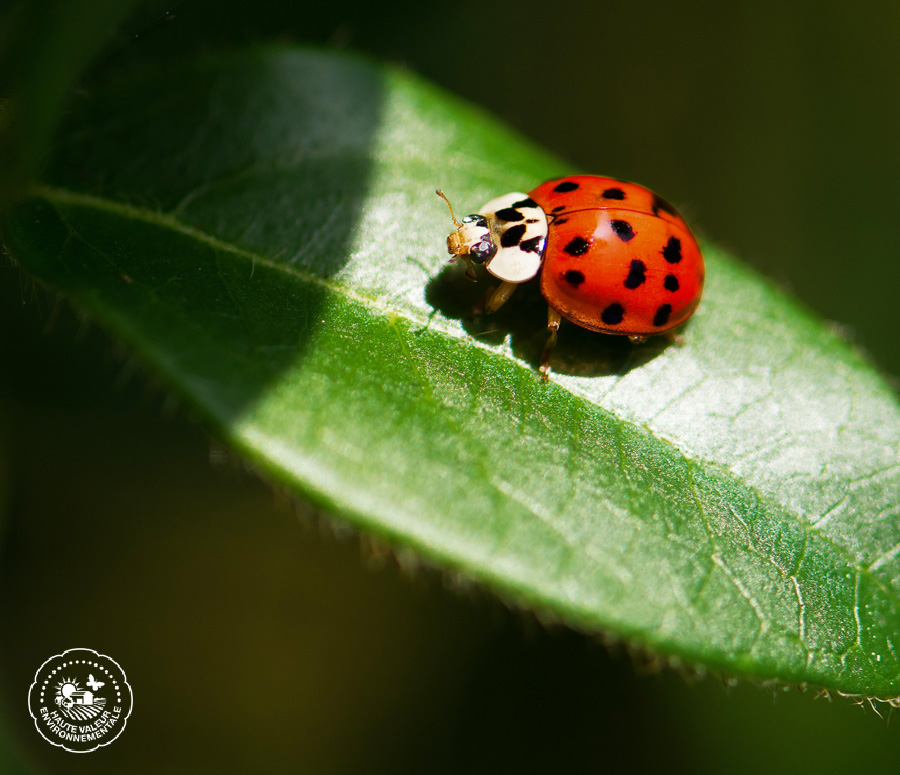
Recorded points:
471,239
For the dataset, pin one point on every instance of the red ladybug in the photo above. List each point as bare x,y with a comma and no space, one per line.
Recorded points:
613,256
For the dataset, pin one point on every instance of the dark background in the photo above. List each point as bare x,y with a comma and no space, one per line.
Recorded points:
258,637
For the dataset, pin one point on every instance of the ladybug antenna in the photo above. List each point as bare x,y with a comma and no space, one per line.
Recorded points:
443,196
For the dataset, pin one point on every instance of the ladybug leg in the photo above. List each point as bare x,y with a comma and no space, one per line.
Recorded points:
635,339
553,321
497,297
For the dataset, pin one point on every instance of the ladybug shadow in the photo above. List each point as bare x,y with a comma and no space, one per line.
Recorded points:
578,351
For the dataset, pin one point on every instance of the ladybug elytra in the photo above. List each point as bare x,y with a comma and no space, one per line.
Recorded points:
613,256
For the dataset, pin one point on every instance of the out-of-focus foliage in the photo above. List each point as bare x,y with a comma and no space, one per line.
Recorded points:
45,46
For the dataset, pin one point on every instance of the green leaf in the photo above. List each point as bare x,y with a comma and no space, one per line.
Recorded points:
261,227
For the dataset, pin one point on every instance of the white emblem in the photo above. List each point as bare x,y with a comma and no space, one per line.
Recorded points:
72,709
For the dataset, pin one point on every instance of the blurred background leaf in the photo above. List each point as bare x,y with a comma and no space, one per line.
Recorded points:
769,123
45,47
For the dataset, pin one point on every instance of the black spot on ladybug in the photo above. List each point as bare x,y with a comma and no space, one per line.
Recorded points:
636,274
661,204
613,314
512,235
671,283
532,245
614,193
662,315
529,202
577,247
560,221
558,208
672,250
565,187
573,277
509,214
622,230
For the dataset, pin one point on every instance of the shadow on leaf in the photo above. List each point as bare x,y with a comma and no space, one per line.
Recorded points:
578,352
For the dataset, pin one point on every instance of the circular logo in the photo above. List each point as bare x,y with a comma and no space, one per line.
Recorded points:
80,700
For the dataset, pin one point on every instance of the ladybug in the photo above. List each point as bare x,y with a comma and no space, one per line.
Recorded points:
613,256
